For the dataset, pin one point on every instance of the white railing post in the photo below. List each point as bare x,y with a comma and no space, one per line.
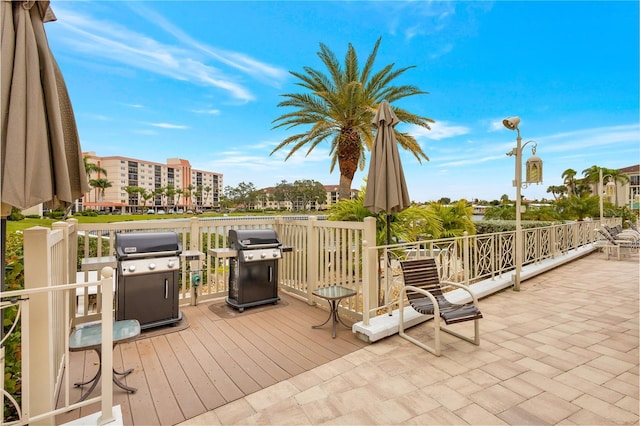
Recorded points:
466,261
72,246
312,256
369,269
107,346
37,264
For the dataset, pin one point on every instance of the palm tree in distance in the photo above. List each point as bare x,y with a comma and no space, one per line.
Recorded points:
592,176
569,180
100,184
339,107
92,167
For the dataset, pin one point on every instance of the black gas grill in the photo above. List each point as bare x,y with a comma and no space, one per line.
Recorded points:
253,270
148,281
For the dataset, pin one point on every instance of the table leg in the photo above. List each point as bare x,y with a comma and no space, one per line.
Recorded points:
96,378
93,381
333,315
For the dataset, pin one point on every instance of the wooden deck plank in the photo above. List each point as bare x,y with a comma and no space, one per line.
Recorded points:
249,328
219,378
248,346
179,382
203,388
164,401
210,337
217,375
214,361
140,404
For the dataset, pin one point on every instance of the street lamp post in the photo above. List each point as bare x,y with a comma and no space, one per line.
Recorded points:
533,175
610,191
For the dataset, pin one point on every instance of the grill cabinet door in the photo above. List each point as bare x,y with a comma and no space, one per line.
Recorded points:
148,298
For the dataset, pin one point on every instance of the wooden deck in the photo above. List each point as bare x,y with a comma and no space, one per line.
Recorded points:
218,358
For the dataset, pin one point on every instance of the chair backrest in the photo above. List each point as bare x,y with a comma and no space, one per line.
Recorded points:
608,236
631,225
612,231
421,273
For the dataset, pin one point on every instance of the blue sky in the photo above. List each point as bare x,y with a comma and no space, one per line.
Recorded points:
201,80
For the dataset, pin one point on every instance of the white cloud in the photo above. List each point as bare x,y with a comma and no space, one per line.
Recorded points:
169,126
439,130
211,111
107,40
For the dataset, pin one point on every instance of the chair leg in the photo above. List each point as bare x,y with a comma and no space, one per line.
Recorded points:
401,333
476,333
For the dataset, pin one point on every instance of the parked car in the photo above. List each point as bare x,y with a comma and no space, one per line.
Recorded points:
172,211
180,211
151,211
160,211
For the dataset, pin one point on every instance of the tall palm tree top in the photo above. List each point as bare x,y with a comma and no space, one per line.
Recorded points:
339,106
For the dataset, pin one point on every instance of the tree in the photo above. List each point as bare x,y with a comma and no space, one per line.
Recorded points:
244,194
130,190
455,219
207,192
580,207
412,224
557,190
100,184
340,106
170,193
92,167
592,176
569,180
146,196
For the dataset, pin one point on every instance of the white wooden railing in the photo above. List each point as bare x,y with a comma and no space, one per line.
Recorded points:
43,314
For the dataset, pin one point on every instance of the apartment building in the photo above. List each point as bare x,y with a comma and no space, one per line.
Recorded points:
629,193
268,202
174,184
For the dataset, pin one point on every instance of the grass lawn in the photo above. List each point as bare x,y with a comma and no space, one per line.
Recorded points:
13,226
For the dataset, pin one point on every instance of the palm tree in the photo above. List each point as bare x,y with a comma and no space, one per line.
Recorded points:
569,180
100,184
92,167
130,190
456,219
557,190
412,224
339,107
592,176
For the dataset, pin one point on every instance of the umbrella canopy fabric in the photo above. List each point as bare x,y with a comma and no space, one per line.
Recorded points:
386,185
41,158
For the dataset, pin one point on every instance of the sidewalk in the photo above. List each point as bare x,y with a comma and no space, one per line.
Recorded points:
562,350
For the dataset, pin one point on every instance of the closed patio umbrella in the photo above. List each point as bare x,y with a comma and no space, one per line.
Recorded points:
41,158
386,186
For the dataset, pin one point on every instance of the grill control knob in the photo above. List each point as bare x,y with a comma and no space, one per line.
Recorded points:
250,256
263,255
171,264
132,268
152,266
275,254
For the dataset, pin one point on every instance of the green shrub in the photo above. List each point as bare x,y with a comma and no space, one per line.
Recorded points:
15,215
14,280
33,216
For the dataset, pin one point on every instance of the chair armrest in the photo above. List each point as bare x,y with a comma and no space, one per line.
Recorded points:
434,301
463,287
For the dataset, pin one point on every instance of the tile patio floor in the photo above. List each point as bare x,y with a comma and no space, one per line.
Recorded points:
563,350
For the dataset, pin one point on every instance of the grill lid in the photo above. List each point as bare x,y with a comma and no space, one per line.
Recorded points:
247,239
144,244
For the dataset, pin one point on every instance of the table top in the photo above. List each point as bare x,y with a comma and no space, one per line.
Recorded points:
334,292
90,336
97,263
